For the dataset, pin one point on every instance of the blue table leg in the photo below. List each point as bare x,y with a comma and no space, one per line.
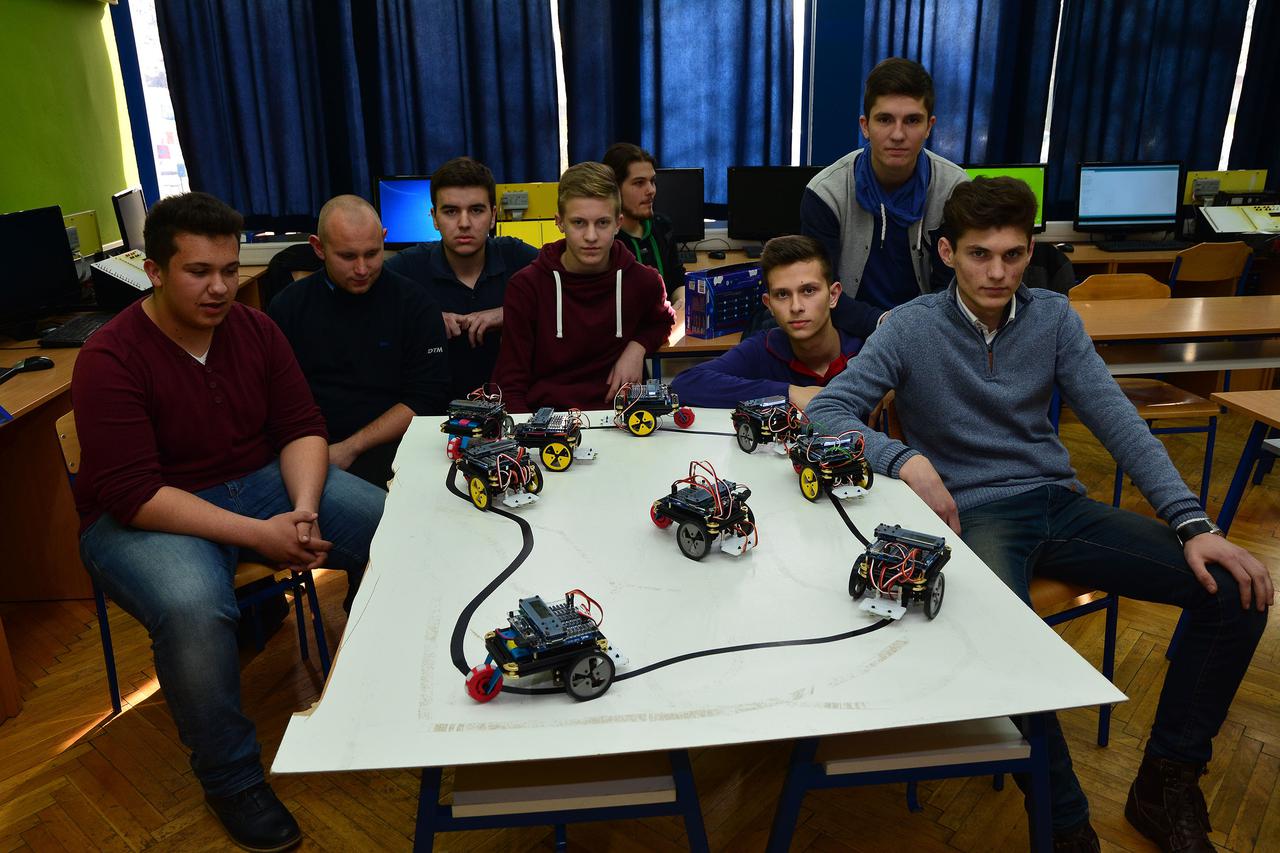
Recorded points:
1241,479
793,790
687,795
428,808
1039,819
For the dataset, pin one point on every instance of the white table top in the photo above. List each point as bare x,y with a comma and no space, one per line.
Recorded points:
395,699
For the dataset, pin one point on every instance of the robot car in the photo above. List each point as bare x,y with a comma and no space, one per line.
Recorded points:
706,507
639,405
481,415
833,462
557,437
564,639
901,568
766,420
499,469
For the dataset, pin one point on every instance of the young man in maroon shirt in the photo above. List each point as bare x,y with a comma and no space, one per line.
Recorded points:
201,442
581,318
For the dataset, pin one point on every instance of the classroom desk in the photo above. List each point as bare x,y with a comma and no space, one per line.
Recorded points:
395,696
1263,408
38,522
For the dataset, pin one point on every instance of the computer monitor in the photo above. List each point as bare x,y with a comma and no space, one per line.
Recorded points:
1202,186
680,197
1117,198
131,216
39,275
404,203
1031,173
764,201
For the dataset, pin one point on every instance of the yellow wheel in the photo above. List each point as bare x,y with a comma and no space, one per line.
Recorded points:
810,482
534,484
641,423
479,492
557,456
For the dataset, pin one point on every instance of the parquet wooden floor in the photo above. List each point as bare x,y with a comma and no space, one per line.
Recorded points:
69,782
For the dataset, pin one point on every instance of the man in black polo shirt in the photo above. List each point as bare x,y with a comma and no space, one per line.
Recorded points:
466,271
646,233
370,342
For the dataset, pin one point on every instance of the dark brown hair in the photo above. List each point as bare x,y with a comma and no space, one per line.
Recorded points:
463,172
621,155
898,76
794,249
187,213
985,203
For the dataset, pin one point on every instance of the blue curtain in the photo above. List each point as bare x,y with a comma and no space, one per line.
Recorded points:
451,77
1255,145
1141,80
990,61
696,83
264,123
282,104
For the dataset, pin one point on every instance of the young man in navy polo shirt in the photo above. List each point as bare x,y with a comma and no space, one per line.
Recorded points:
796,359
466,270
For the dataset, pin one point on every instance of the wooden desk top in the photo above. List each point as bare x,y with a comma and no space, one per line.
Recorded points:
1191,317
27,391
1090,254
1260,405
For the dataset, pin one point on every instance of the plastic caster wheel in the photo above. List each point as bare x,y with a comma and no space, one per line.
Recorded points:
479,680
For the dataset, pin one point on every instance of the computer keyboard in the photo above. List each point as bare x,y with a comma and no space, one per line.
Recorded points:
75,331
1142,245
688,257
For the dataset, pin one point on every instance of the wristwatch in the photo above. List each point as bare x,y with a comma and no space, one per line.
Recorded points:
1190,529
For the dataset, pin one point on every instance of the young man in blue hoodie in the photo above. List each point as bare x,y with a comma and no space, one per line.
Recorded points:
982,453
797,358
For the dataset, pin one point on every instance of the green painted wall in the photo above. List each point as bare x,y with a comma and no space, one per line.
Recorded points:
65,138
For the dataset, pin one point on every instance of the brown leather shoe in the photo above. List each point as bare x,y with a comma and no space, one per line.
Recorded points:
1166,805
1078,839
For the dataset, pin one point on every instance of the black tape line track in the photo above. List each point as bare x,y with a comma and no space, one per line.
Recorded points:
526,532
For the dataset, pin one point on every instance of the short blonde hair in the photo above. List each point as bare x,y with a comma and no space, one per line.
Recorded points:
588,180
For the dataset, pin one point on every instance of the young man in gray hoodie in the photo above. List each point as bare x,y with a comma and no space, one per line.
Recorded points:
877,210
982,452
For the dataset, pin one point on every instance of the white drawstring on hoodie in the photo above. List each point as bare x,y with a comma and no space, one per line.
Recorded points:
884,226
617,305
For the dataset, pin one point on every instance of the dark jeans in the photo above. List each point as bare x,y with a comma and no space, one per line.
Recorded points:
181,589
1055,532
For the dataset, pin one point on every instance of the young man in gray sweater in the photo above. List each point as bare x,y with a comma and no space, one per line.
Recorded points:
982,453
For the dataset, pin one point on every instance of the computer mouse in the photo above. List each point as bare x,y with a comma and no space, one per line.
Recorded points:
717,254
1066,247
36,362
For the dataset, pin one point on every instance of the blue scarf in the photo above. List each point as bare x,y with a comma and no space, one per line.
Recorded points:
905,205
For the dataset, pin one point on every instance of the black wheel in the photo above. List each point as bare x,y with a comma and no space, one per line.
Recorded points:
508,426
589,676
693,540
747,437
534,484
857,583
933,596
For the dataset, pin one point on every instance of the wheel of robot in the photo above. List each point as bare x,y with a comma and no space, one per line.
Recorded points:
453,447
857,582
479,490
747,437
658,518
533,485
865,478
508,426
589,676
933,596
641,422
478,683
683,417
557,455
693,540
810,482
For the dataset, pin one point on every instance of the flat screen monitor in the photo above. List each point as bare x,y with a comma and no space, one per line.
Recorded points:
1030,173
764,201
404,203
131,216
680,196
1115,198
39,274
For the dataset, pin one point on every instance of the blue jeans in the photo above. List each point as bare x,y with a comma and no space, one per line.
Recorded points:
181,589
1055,532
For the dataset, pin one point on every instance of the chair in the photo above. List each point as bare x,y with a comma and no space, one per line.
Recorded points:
246,573
1154,399
1210,269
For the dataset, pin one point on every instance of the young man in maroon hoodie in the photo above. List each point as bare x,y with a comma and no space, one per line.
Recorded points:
581,318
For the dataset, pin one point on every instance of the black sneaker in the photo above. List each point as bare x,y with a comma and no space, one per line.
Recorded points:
1078,839
256,819
1166,805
